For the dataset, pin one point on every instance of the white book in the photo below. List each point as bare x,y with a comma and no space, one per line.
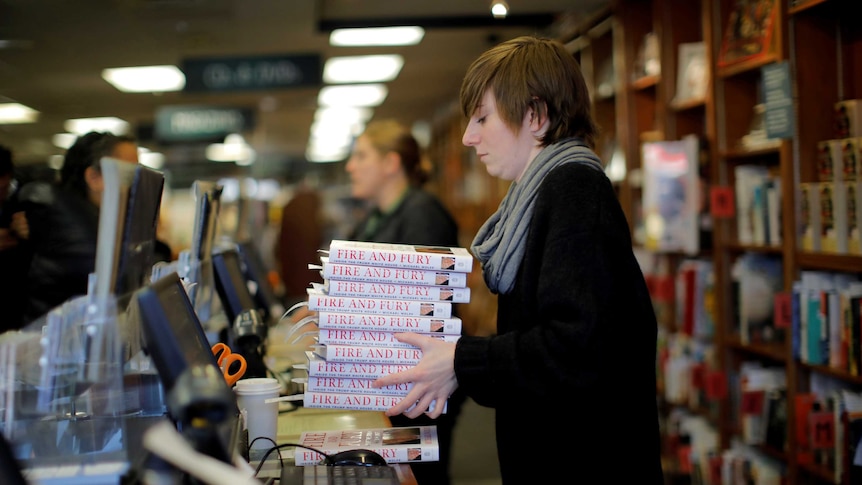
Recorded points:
368,354
320,301
375,338
395,291
397,445
401,255
354,385
353,402
384,274
392,323
319,367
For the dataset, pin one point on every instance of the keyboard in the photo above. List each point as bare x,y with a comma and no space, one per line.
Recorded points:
338,475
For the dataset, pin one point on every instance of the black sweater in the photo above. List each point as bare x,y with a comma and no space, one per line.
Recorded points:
571,371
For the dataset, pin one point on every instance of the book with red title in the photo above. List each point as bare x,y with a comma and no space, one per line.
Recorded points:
374,338
401,255
319,367
391,323
320,301
397,445
394,291
368,354
354,401
384,274
355,385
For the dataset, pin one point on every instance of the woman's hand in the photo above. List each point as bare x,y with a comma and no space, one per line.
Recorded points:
433,377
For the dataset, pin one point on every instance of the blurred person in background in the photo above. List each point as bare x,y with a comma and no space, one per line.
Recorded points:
386,172
60,222
13,255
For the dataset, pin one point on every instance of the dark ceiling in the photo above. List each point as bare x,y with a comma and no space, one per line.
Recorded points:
55,51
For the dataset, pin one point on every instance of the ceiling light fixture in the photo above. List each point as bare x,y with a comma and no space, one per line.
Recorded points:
377,36
362,69
234,149
16,113
499,9
81,126
361,95
146,79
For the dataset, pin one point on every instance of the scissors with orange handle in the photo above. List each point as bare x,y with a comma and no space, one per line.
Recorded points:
226,360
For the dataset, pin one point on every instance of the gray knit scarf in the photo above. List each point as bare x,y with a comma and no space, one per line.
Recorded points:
499,244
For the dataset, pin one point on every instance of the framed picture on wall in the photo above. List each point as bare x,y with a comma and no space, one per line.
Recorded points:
749,30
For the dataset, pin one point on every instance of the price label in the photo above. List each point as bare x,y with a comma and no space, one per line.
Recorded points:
721,202
821,428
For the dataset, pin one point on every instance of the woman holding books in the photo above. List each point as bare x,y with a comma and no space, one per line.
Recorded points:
571,370
386,171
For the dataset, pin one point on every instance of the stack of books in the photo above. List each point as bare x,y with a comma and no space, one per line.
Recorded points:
370,292
397,445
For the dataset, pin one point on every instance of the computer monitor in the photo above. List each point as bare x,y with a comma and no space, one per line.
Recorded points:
257,275
207,204
173,335
127,227
231,283
10,468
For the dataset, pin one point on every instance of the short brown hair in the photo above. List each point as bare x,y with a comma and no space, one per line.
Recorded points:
532,72
391,136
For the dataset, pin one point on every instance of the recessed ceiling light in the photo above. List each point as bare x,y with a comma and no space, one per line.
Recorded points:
362,95
15,113
362,69
145,79
377,36
64,140
81,126
499,9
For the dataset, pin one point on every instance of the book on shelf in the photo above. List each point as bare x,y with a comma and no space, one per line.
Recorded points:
376,338
391,323
401,255
692,72
384,274
355,385
355,401
317,366
394,291
397,445
320,301
671,194
368,354
749,31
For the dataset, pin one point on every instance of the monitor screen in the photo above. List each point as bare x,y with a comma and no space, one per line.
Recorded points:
231,284
207,203
256,274
137,244
173,336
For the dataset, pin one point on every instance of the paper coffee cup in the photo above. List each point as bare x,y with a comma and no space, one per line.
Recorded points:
261,418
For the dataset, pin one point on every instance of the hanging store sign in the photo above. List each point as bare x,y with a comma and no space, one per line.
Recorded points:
201,123
251,73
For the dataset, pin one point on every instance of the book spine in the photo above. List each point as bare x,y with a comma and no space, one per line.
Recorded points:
369,337
382,274
318,367
378,306
400,256
368,354
393,455
397,291
391,323
353,402
354,385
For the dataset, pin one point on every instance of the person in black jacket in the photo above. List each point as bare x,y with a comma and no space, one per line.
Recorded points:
61,223
386,171
571,370
13,256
